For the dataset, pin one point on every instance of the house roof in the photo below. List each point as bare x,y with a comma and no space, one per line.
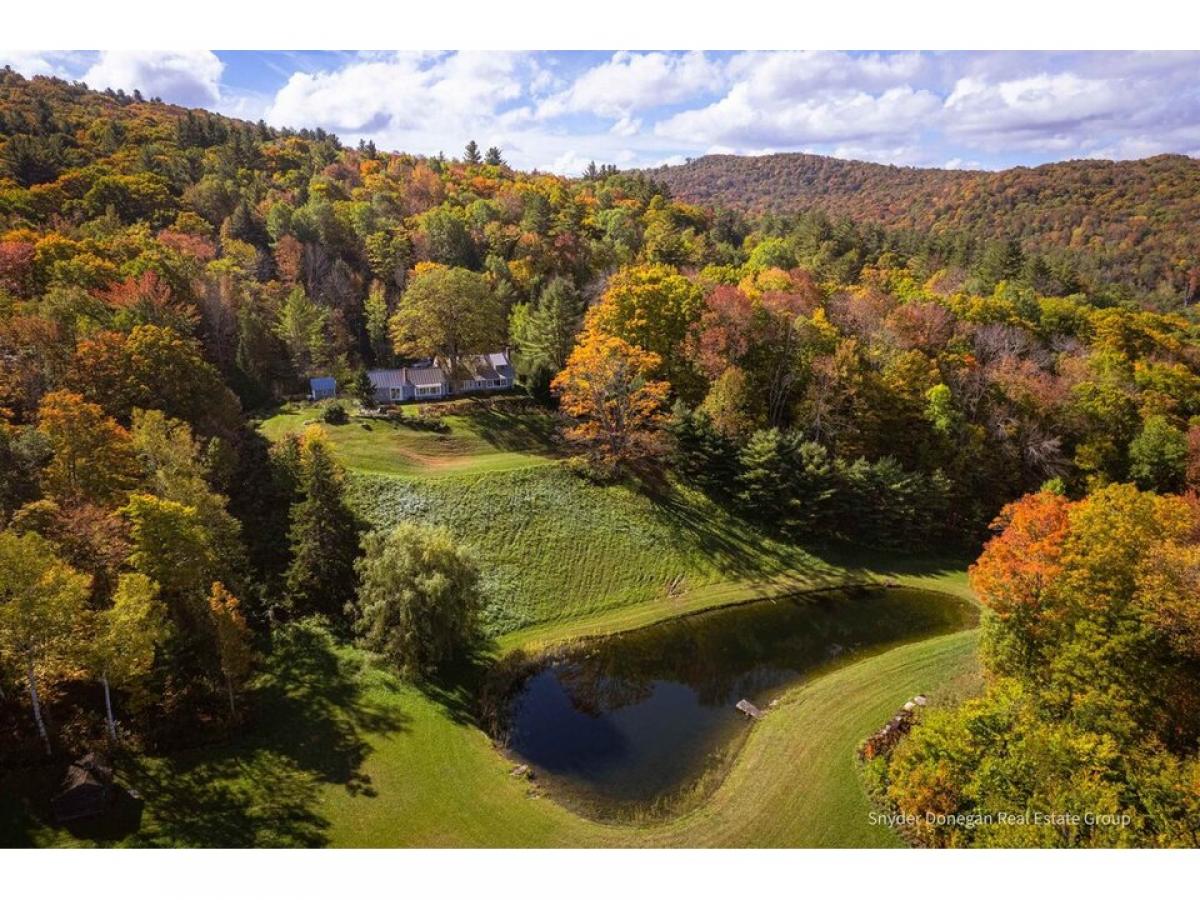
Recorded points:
499,360
429,373
387,378
485,366
425,377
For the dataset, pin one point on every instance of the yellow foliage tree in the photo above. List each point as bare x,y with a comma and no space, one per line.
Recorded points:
93,458
233,639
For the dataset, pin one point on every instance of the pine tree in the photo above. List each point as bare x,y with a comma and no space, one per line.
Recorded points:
544,332
364,390
493,157
763,484
323,535
471,153
376,312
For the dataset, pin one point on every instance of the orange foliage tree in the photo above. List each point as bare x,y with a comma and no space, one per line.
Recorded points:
1013,575
607,387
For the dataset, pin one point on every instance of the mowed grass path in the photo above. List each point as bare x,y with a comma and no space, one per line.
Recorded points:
480,436
793,783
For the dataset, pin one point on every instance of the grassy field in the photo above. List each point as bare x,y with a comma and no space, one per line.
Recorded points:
555,547
344,754
480,436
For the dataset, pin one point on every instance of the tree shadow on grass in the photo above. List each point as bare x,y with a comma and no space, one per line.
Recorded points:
896,563
733,544
456,687
514,426
316,706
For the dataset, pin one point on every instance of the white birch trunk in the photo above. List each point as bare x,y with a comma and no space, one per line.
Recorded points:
37,708
112,723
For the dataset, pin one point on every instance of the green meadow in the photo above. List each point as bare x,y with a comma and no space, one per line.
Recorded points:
344,754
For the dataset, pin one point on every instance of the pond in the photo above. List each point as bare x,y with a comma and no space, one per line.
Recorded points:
643,722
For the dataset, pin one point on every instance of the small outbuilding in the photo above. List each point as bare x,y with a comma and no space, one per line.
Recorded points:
87,790
323,388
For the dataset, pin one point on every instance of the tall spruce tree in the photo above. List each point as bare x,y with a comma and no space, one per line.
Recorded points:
324,536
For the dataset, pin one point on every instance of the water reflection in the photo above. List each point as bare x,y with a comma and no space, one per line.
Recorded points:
626,721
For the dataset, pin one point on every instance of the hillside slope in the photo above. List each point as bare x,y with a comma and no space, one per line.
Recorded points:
1138,215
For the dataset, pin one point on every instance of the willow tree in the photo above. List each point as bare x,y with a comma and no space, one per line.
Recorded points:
418,597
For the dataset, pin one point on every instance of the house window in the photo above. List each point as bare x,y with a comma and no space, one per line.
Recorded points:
397,393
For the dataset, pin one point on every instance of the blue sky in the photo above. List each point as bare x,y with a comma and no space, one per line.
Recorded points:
557,110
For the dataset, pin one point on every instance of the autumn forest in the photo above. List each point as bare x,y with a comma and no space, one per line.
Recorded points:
735,378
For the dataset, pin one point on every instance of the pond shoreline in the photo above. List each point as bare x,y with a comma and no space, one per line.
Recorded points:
510,675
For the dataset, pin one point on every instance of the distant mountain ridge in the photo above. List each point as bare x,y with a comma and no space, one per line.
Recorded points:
1142,214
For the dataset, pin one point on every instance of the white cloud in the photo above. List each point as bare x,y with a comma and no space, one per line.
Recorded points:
626,127
186,77
1114,104
568,163
632,81
790,99
956,109
740,119
1036,103
36,62
455,92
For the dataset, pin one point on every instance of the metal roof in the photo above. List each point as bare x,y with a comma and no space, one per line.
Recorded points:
425,377
387,378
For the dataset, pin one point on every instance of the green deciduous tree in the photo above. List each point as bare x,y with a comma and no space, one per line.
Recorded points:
125,638
447,312
1158,455
418,599
42,614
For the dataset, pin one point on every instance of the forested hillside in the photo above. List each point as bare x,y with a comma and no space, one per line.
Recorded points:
1130,222
888,368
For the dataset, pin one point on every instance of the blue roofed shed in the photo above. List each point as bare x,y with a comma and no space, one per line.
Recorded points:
323,388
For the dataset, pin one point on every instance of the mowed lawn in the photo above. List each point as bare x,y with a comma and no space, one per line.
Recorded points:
345,755
479,436
554,547
342,753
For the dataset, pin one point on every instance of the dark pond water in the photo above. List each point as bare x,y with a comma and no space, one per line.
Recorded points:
637,720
